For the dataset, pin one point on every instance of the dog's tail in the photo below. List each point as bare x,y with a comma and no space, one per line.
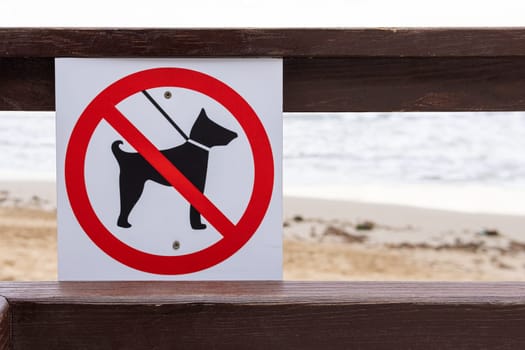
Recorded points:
117,152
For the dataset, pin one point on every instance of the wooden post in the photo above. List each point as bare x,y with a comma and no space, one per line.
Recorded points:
5,331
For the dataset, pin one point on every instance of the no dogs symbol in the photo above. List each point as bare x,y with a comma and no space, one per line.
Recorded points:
183,167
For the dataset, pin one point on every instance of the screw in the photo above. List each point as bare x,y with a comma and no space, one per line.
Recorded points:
176,245
167,95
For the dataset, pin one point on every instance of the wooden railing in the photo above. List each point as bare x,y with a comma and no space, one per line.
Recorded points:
265,315
324,71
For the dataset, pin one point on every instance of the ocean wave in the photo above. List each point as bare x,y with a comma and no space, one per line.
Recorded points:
339,148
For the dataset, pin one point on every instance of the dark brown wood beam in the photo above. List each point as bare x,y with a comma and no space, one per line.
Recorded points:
337,84
383,42
27,84
325,70
262,315
404,84
5,330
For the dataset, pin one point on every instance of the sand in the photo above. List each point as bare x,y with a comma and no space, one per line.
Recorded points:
323,240
341,240
27,244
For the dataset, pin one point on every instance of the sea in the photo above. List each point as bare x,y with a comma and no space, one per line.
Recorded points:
457,161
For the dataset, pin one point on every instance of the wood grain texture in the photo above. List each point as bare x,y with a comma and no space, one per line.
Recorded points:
404,84
264,292
259,315
386,42
27,84
4,324
336,85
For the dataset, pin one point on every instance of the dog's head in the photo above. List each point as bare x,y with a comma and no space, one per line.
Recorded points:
209,133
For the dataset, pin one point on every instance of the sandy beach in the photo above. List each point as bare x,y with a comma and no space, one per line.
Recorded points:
323,240
341,240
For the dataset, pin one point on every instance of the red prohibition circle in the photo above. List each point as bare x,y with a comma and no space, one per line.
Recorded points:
237,235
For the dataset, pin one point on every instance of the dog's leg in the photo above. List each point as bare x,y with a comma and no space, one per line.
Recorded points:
130,192
199,180
195,219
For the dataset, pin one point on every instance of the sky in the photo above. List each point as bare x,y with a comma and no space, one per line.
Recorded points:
262,13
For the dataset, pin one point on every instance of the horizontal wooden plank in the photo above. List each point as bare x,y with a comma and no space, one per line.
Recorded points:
4,324
281,315
336,85
224,326
264,292
404,84
27,84
384,42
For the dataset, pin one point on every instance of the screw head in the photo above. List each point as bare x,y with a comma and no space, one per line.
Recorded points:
176,245
167,95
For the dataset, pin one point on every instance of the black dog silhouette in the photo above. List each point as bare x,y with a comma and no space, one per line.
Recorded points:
190,158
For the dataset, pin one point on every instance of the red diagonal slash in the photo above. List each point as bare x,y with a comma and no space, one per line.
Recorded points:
179,182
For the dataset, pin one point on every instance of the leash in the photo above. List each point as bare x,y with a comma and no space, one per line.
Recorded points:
163,112
168,118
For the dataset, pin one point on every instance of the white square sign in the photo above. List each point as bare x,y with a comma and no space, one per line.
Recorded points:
169,169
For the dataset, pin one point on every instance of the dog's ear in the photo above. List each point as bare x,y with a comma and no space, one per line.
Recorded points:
203,113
